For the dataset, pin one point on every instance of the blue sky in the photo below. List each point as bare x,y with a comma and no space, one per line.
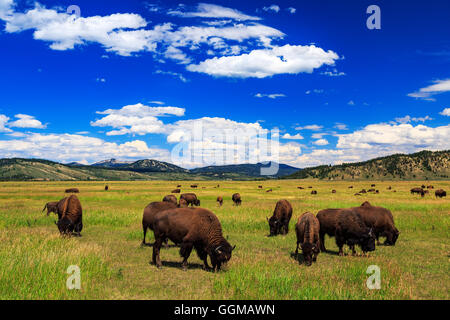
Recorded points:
133,79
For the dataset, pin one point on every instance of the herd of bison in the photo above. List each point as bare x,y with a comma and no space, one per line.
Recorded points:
197,228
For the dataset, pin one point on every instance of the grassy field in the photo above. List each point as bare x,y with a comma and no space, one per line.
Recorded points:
34,258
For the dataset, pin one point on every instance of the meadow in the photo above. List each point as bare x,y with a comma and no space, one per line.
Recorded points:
34,257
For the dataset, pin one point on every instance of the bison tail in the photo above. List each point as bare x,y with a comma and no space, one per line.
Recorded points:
66,204
45,207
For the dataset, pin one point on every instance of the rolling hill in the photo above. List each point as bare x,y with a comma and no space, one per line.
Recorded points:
252,170
424,165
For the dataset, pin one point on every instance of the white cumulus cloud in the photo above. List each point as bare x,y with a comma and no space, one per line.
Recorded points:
26,121
427,93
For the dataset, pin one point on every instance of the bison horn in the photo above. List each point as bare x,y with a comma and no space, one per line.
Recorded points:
217,249
267,218
234,247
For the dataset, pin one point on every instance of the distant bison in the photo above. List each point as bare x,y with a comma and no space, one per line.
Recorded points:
220,200
418,191
176,191
372,185
179,186
260,187
363,191
197,229
380,220
191,199
194,186
307,230
237,199
371,190
314,192
270,190
301,188
279,222
72,190
333,191
389,188
170,198
106,188
430,187
150,212
357,194
351,230
70,216
350,187
51,207
440,193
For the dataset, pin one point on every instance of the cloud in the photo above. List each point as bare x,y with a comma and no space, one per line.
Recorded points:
318,135
262,63
333,73
291,10
271,96
135,119
318,91
445,112
351,103
70,147
6,8
408,119
321,142
173,74
313,127
273,7
103,80
297,136
341,126
3,120
206,10
427,93
26,121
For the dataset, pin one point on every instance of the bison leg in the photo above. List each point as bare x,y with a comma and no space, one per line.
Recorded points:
144,228
203,255
322,242
340,244
352,247
185,252
156,247
296,249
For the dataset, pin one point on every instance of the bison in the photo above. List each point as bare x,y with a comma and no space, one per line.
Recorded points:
176,191
220,201
328,222
279,222
416,190
333,191
70,216
307,230
150,212
363,191
270,190
372,185
301,188
440,193
194,186
237,199
260,187
179,186
430,187
170,198
314,192
380,220
72,190
191,199
351,230
106,188
51,207
198,229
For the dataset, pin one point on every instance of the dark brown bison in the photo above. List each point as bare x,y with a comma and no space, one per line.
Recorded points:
363,191
307,230
380,220
170,198
357,194
328,222
220,200
351,230
270,190
176,191
191,199
440,193
418,191
197,229
372,185
237,199
279,222
314,192
260,187
51,207
333,191
179,186
70,216
106,188
301,188
72,190
194,186
389,188
423,186
351,187
150,212
430,187
371,190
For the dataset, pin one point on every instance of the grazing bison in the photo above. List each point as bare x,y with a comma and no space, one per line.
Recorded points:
371,190
351,230
176,191
170,198
72,190
314,192
389,188
351,187
51,207
363,191
191,199
333,191
357,194
70,216
430,187
301,188
307,230
418,191
179,186
194,186
220,201
150,212
423,186
106,188
328,222
192,228
380,220
270,190
237,199
372,185
440,193
260,187
279,222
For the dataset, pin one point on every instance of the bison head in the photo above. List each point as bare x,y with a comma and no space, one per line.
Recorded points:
274,226
367,241
221,254
197,203
391,238
310,250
